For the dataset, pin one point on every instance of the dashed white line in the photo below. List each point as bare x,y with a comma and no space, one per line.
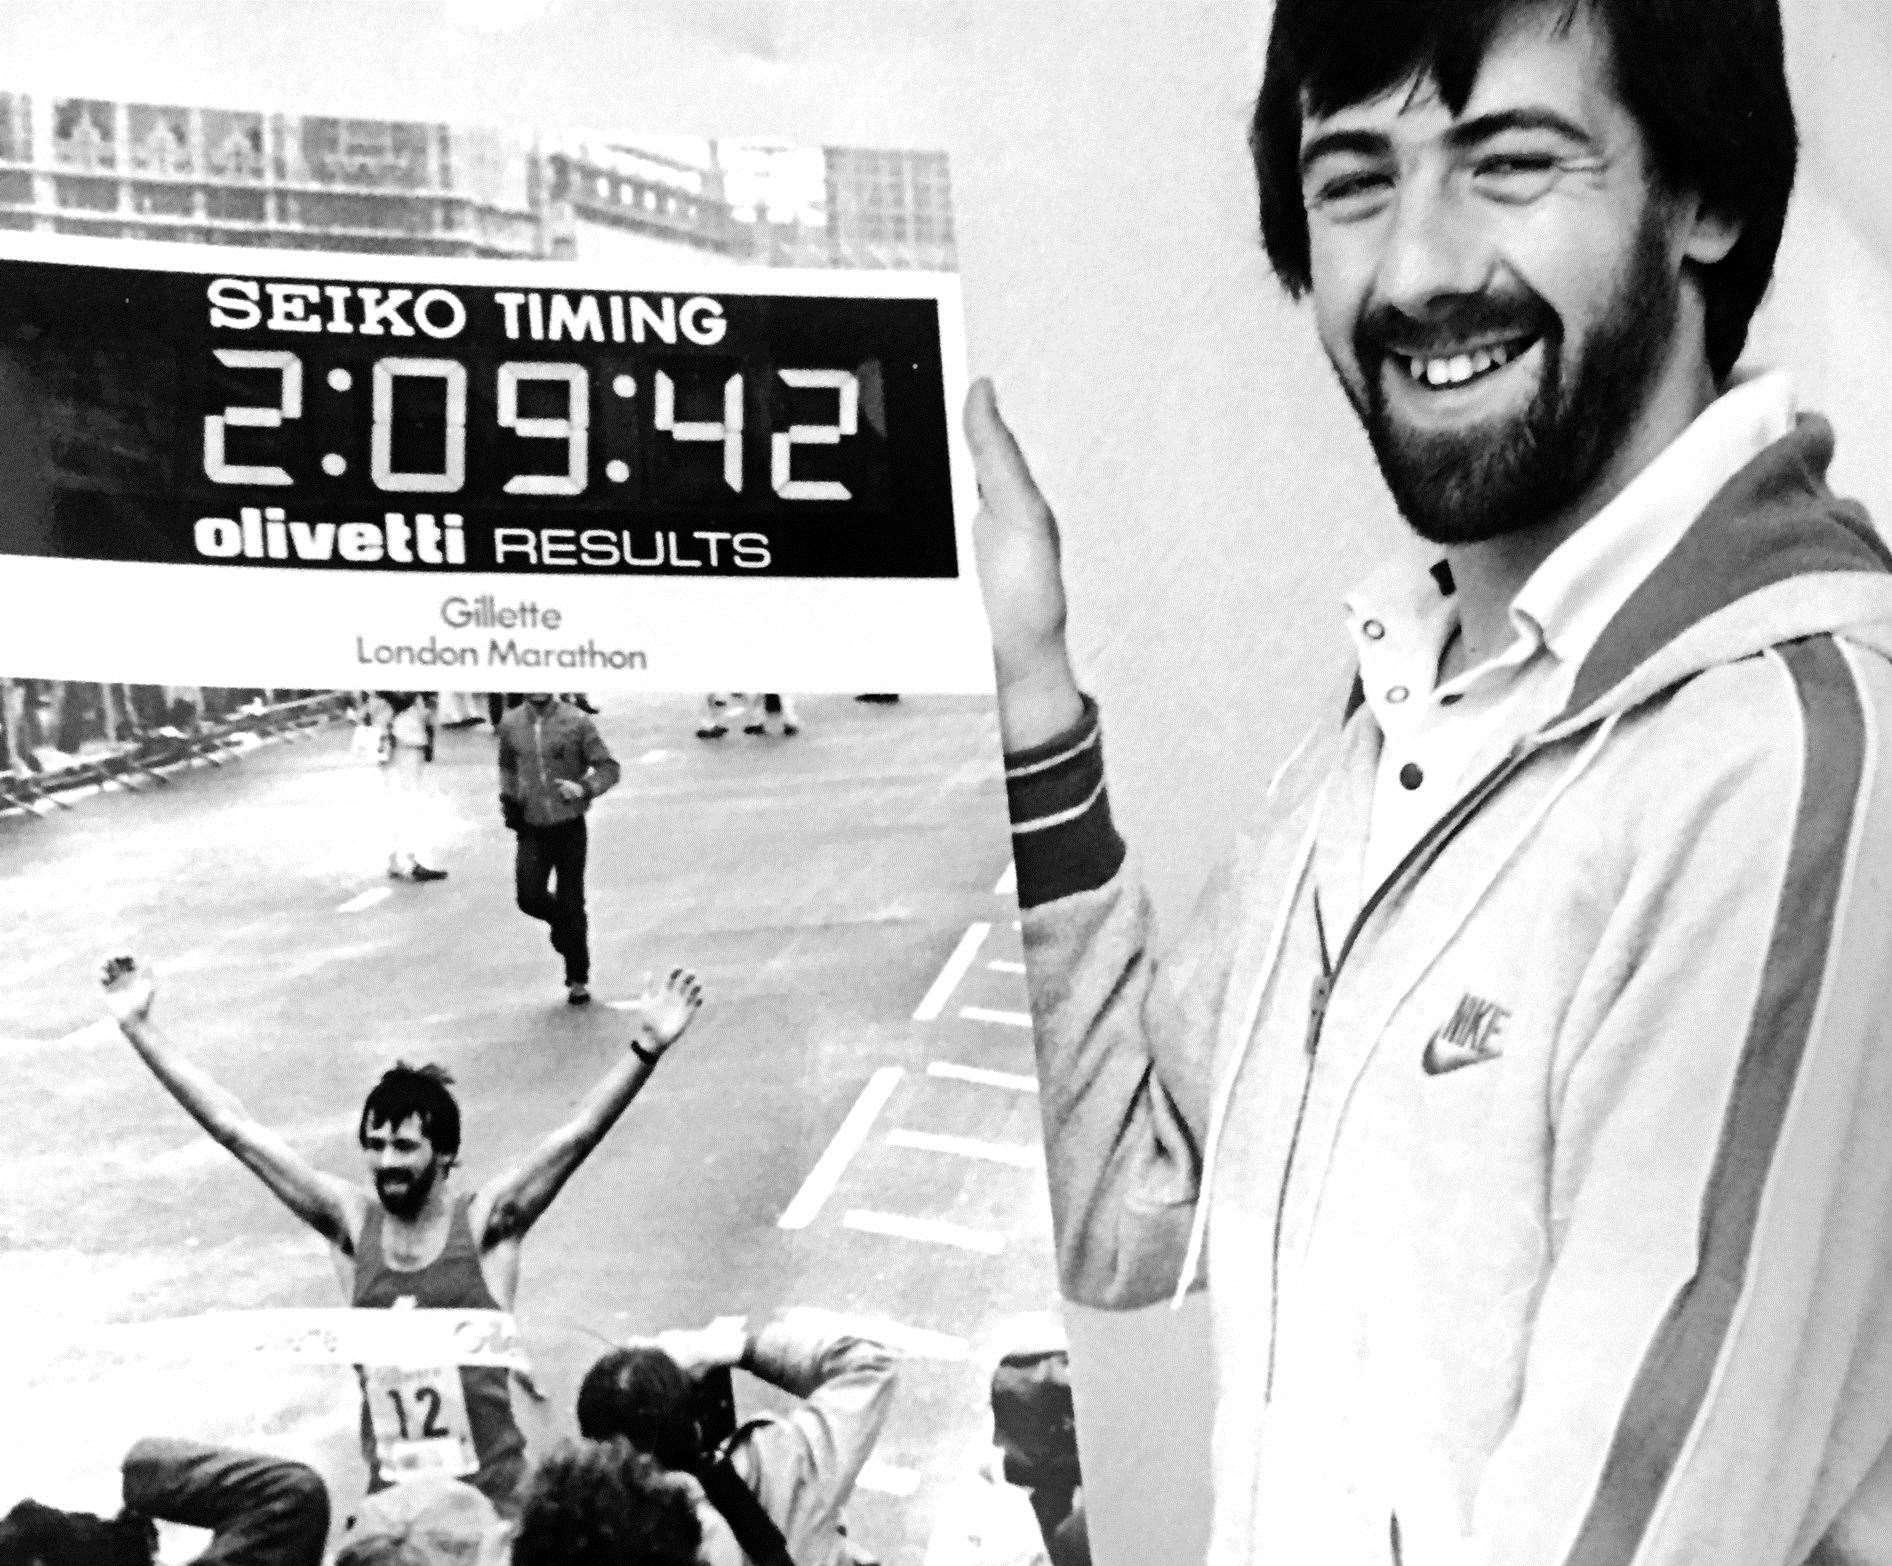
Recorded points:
1009,1019
829,1168
103,1030
1004,966
888,1479
1019,1155
999,1079
1008,881
928,1231
952,973
365,900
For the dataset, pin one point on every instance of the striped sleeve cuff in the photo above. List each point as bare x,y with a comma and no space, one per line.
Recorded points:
1062,838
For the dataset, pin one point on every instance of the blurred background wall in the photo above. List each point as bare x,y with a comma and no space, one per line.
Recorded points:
1216,496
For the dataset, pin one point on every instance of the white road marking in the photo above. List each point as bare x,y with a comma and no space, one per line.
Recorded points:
1019,1155
999,1079
928,1231
1002,966
652,757
90,1035
1008,882
362,901
1010,1019
826,1174
953,972
888,1479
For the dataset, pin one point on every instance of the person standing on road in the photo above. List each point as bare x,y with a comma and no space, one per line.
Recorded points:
552,765
414,1241
406,724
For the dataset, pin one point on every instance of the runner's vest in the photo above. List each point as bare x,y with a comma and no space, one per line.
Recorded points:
421,1421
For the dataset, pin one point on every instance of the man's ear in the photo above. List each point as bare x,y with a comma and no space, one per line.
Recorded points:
1708,234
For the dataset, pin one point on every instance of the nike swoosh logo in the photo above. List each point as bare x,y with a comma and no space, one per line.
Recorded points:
1441,1057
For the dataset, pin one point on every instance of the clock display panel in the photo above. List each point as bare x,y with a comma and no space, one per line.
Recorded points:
296,422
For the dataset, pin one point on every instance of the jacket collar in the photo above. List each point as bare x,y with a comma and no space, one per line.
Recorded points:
1773,523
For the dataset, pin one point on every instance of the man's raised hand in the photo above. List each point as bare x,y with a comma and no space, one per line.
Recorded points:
1016,540
666,1008
129,989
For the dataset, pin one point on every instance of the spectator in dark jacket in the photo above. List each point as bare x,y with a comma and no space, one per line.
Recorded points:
552,765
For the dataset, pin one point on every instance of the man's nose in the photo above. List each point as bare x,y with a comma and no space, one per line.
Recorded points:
1434,248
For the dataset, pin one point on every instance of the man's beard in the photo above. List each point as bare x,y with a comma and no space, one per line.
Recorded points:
1480,482
403,1195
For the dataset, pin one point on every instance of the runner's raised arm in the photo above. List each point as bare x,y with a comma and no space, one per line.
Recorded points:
517,1199
331,1207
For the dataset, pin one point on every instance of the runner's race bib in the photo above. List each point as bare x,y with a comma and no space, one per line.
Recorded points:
420,1422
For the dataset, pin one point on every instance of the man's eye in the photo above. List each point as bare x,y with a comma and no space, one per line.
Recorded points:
1516,175
1353,190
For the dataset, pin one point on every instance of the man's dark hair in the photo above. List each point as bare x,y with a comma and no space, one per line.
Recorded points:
36,1535
641,1395
414,1092
598,1503
1704,79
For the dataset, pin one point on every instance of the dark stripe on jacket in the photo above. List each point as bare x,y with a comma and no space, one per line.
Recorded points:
1775,519
1672,1384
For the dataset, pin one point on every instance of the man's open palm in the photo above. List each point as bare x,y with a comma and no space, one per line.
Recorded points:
1016,540
668,1007
129,989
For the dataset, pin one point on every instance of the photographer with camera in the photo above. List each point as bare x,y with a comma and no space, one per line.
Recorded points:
769,1491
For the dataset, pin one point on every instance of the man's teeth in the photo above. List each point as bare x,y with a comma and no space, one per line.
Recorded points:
1461,367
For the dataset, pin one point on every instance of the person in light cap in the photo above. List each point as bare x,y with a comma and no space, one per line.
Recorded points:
427,1521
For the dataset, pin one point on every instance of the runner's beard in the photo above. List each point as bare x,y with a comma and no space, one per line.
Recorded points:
1467,485
404,1195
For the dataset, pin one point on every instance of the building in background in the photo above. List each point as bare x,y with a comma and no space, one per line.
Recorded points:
282,181
609,200
316,182
889,208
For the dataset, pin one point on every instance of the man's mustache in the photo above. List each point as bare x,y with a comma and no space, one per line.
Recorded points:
1384,329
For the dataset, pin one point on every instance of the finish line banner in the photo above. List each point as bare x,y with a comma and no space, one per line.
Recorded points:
371,471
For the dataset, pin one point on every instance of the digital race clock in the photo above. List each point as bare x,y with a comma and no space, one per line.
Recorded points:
248,418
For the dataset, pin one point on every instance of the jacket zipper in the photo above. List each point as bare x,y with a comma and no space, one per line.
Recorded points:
1316,1015
1433,840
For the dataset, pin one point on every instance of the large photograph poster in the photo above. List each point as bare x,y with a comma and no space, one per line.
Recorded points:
732,974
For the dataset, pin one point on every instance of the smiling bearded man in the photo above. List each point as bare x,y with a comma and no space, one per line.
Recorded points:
1518,1088
1462,484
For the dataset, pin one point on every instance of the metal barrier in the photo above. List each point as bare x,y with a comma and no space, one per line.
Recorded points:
145,758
